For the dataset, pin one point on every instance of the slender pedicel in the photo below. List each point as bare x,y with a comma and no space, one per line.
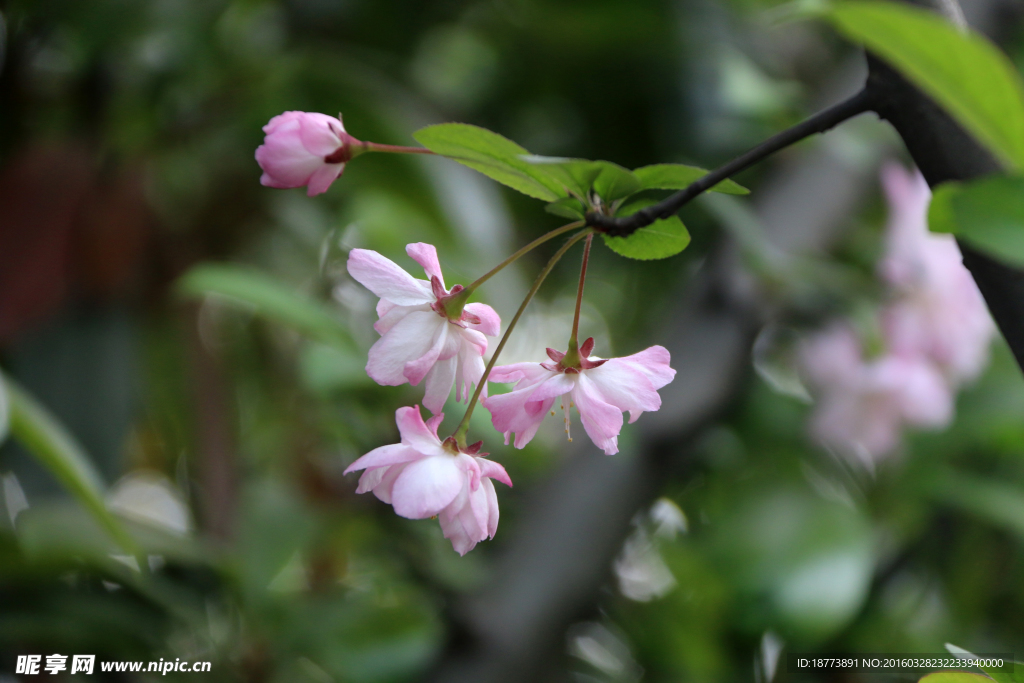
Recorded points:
463,428
528,248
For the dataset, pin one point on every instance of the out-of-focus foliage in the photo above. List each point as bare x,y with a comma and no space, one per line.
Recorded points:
127,132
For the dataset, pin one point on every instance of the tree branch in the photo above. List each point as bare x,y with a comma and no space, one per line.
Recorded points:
819,123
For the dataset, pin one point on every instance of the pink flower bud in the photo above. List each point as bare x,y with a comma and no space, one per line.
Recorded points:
303,148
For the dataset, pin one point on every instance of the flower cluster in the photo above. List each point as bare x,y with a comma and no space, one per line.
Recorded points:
935,333
432,335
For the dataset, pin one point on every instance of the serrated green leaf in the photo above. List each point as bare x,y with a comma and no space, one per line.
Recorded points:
680,176
267,298
566,207
495,156
56,450
962,71
660,239
986,213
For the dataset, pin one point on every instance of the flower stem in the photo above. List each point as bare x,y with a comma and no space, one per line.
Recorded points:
394,149
463,428
573,340
529,247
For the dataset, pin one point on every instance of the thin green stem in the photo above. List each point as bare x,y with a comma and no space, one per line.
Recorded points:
463,428
394,149
528,248
573,339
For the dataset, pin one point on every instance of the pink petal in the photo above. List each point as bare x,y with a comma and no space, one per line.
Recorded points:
490,322
281,119
416,433
408,340
602,421
625,387
492,505
391,454
284,160
489,468
370,479
530,372
385,488
426,255
392,314
654,363
509,414
439,384
322,178
319,133
434,422
444,346
426,487
387,280
469,369
559,383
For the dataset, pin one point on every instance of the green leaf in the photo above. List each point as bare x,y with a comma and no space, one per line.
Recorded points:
678,177
571,176
566,207
962,71
267,298
954,677
5,412
46,439
660,239
495,156
615,182
986,213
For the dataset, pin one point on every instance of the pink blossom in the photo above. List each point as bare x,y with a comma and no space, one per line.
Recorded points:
303,148
420,339
864,404
422,477
600,389
934,335
939,311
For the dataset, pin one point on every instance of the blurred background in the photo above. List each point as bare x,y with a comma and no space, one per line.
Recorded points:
199,336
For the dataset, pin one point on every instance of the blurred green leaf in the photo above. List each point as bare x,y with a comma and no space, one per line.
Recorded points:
495,156
267,298
661,239
47,440
678,177
987,213
996,502
566,207
954,677
326,369
5,412
962,70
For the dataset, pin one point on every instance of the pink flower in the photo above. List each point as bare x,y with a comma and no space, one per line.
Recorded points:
864,405
939,311
422,477
420,339
600,389
302,148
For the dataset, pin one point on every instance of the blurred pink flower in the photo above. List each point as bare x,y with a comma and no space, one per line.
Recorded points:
419,340
863,405
939,311
600,389
934,335
303,148
422,477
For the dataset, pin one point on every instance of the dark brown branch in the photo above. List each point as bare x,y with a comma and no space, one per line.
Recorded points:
819,123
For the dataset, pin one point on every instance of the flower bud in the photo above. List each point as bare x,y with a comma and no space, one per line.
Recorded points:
303,148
